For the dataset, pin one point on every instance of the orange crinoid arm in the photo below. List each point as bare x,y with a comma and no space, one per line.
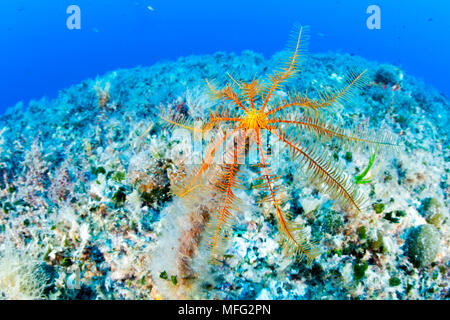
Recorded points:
299,43
292,238
206,163
227,181
322,170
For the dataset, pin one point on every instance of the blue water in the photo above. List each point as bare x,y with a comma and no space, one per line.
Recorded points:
39,55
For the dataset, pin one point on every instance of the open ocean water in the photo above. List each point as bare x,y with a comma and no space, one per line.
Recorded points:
39,55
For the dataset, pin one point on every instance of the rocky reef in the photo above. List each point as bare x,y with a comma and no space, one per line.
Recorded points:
85,199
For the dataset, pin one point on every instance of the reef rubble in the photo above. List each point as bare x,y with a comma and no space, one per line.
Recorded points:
85,201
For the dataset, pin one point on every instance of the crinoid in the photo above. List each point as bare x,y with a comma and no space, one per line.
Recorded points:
245,114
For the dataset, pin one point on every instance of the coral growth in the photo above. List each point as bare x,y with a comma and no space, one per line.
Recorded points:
84,192
23,277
